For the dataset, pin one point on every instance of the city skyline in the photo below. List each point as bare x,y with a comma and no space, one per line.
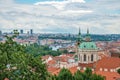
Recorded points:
61,16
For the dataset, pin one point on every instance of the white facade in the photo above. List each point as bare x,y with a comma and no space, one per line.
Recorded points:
87,56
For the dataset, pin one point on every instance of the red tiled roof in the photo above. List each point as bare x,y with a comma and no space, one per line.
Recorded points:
70,55
52,69
109,75
108,63
73,69
91,65
56,72
61,58
51,62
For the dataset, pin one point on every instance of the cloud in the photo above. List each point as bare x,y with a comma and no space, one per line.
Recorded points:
75,12
59,4
100,16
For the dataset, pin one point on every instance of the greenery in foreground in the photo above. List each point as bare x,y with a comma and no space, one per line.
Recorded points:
15,64
118,71
65,74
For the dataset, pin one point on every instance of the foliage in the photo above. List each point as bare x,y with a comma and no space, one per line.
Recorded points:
78,75
65,74
118,70
15,64
37,50
97,77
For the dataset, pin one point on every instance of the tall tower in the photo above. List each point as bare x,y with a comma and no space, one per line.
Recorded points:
31,31
78,42
79,37
21,31
87,37
87,51
0,32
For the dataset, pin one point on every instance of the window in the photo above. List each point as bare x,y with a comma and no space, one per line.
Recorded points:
84,57
76,57
92,57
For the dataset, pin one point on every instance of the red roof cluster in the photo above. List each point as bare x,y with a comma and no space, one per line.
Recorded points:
108,63
109,75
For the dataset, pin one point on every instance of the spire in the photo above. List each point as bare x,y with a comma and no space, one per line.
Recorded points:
87,31
88,38
79,31
79,37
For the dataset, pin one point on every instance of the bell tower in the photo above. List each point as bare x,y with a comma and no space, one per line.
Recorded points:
79,37
87,37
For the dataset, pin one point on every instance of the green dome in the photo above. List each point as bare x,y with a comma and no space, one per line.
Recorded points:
88,46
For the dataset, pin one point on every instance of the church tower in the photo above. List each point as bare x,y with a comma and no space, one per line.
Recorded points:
87,50
87,37
79,37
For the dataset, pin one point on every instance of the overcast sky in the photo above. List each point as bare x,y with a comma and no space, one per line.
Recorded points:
61,16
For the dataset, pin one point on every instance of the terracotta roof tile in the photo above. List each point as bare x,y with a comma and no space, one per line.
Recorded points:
52,69
108,63
51,62
109,75
91,65
73,69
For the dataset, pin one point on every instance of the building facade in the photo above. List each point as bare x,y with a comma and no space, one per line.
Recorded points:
87,51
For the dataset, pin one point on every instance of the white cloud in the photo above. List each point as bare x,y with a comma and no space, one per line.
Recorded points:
59,4
75,12
47,18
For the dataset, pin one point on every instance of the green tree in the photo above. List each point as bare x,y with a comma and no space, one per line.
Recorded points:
38,50
15,64
118,70
65,74
87,75
96,77
88,72
78,75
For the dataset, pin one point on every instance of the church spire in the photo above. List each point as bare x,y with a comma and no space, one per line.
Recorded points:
87,31
79,38
87,38
79,31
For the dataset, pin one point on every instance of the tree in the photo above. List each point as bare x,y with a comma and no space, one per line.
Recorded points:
87,75
96,77
118,70
78,75
65,74
38,50
15,64
88,72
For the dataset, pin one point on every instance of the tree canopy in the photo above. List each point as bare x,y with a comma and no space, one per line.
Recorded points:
65,74
15,64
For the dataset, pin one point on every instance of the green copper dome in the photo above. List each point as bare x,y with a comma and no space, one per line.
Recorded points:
88,46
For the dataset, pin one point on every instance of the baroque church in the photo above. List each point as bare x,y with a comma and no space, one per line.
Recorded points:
86,51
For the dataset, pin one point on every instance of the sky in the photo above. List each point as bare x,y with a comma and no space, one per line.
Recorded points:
61,16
